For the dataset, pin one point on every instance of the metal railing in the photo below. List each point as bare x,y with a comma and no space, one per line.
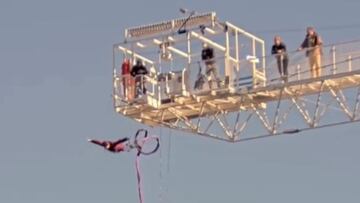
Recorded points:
335,59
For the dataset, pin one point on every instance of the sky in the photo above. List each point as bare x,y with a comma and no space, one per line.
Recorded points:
55,92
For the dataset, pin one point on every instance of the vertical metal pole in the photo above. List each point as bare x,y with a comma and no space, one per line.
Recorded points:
159,84
263,58
237,52
189,48
186,82
333,53
298,69
255,78
254,50
228,68
350,63
114,76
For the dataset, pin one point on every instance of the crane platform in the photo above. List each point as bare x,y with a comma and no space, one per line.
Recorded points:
250,99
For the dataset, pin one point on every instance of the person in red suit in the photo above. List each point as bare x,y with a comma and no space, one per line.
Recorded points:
120,145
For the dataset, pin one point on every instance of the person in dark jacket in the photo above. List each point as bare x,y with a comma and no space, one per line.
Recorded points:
138,71
312,43
279,51
208,56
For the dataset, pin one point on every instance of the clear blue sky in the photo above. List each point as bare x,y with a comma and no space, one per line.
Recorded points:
55,86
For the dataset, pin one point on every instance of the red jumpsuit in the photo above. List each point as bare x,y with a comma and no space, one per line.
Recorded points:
128,81
117,146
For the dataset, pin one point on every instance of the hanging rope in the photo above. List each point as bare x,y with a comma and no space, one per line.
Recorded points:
140,143
164,156
168,164
169,151
137,165
160,167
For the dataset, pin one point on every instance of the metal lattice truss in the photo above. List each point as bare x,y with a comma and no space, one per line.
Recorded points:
307,112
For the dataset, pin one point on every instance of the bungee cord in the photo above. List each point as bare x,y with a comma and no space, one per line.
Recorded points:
140,143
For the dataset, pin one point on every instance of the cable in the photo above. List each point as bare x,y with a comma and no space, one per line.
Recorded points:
322,28
160,167
168,165
137,165
139,143
169,151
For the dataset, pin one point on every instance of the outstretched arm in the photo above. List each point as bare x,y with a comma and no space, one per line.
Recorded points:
121,141
96,142
303,45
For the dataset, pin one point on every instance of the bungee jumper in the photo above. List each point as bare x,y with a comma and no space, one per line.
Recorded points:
140,142
124,144
115,147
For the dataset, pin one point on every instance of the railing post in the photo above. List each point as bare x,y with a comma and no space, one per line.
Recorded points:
188,38
237,52
228,66
254,51
114,75
158,99
253,63
350,63
298,69
333,54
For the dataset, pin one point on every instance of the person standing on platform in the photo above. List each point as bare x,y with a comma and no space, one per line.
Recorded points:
313,45
208,56
138,71
279,51
127,80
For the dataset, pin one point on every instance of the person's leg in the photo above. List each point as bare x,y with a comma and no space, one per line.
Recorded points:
318,65
216,74
209,75
125,85
143,85
278,60
285,66
312,65
137,86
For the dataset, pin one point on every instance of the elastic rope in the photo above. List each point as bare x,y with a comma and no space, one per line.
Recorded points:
169,151
160,167
137,165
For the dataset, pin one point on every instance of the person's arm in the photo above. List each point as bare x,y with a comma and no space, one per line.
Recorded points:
145,70
283,48
133,71
97,142
211,53
273,50
303,45
203,54
319,41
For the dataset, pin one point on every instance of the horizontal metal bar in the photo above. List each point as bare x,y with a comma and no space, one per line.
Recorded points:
171,25
210,42
121,48
241,31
